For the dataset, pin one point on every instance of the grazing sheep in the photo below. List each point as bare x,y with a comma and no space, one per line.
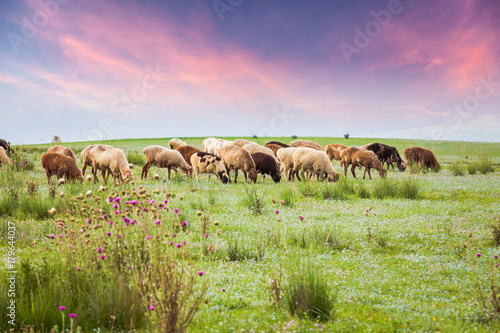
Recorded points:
62,150
422,157
62,166
208,163
361,157
211,145
163,158
4,159
112,160
274,148
315,162
281,144
285,155
6,145
333,151
253,148
235,158
306,143
187,152
386,154
266,165
176,143
241,142
86,160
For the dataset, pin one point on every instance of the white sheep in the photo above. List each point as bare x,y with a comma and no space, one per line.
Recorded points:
176,143
285,155
315,162
211,145
112,160
164,158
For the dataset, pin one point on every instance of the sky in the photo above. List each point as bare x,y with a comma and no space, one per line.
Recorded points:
94,70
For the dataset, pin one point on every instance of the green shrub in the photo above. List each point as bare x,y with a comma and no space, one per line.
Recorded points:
457,169
331,191
288,197
409,188
307,189
385,188
136,158
308,295
346,185
472,168
362,191
484,165
253,200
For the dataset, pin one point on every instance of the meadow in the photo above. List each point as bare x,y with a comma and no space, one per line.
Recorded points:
415,252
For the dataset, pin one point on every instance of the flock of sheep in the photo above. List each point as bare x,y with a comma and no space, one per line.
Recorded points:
301,158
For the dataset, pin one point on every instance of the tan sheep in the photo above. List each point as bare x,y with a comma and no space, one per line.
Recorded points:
253,148
357,156
241,142
112,160
86,160
306,143
163,158
285,155
333,151
176,143
235,158
62,150
4,159
208,163
314,162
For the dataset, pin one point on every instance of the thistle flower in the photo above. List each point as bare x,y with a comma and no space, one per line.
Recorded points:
78,268
99,249
301,218
103,256
178,245
62,308
495,256
277,211
117,199
184,223
200,273
478,255
72,315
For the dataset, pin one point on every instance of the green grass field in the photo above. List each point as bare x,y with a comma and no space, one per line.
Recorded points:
399,254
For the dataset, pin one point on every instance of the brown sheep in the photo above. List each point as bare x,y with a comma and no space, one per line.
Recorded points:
208,163
62,150
281,144
306,143
60,165
274,147
164,158
235,158
333,151
187,152
361,157
422,157
266,165
4,159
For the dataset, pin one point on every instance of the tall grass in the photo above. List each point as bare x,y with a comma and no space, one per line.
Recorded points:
484,164
308,189
288,197
136,158
253,200
409,188
332,192
457,169
385,188
308,295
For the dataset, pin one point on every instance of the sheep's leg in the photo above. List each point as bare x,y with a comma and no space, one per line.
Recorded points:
353,167
345,168
49,175
228,174
144,172
103,173
369,173
94,172
263,176
169,172
84,168
235,176
209,174
245,174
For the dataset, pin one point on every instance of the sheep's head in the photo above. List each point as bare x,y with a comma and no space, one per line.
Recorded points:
223,177
252,174
277,177
332,176
382,172
127,175
401,165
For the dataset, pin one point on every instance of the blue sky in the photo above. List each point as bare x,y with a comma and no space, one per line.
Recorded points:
123,69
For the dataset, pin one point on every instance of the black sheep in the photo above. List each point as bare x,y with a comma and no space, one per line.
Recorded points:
266,165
